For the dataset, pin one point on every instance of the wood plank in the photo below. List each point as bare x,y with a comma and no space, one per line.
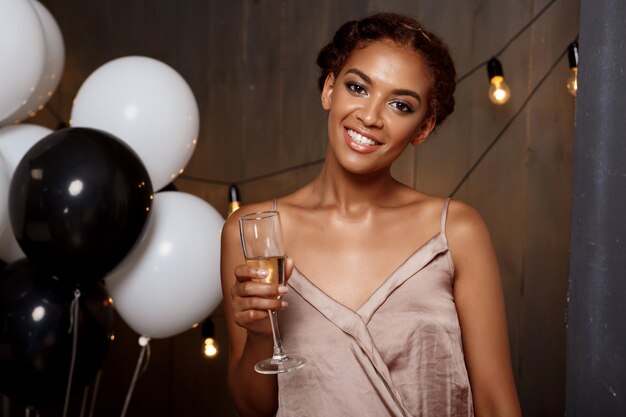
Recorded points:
550,124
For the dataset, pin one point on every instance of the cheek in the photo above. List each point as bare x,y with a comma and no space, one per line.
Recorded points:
343,101
406,131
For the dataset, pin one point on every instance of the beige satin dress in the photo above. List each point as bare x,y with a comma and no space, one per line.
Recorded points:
400,354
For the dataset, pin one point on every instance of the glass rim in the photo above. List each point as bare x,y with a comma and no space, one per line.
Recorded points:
259,215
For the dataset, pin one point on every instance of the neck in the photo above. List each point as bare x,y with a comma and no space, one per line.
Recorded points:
348,192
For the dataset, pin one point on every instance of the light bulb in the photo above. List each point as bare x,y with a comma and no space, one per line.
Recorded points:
210,347
572,82
499,92
233,199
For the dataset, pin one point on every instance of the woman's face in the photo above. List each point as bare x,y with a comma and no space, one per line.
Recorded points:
377,105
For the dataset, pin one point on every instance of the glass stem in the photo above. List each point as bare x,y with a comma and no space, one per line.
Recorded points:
278,344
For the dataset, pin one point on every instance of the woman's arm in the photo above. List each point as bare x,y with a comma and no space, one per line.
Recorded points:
480,305
249,330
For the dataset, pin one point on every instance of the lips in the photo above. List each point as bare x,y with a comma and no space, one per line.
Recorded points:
357,137
358,142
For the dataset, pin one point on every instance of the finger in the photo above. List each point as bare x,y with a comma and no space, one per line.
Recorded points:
255,303
288,269
245,317
255,289
288,266
247,272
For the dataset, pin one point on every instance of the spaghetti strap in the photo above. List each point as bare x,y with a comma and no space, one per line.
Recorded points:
444,216
274,204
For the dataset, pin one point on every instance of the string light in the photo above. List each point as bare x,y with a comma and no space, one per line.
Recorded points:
459,80
210,348
508,124
499,91
572,81
233,199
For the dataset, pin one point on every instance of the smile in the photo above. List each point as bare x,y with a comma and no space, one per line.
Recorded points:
357,137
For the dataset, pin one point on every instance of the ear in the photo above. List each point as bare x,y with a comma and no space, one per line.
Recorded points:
424,130
327,91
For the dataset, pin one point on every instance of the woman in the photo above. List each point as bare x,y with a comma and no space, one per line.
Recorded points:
395,296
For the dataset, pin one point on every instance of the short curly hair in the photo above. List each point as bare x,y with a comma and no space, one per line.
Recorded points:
404,31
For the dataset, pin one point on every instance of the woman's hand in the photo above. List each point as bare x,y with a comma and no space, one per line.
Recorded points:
251,298
246,301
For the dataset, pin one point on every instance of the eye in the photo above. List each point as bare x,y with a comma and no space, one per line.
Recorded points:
356,88
402,106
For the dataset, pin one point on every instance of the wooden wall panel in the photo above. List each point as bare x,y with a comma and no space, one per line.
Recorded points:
251,65
497,186
550,132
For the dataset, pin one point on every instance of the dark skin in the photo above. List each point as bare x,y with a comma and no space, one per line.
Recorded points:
377,106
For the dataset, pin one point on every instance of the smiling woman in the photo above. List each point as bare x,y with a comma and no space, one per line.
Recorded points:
374,104
392,295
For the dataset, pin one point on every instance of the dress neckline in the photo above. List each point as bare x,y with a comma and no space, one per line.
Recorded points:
384,283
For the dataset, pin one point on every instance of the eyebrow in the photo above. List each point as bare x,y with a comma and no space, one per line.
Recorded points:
399,91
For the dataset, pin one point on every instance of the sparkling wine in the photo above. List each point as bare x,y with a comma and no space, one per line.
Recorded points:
262,246
275,267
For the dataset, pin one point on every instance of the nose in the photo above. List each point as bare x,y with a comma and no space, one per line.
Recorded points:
370,112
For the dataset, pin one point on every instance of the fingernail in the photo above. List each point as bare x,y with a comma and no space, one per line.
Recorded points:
262,272
283,289
284,304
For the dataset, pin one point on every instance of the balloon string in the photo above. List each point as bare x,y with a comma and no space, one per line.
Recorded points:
74,310
28,411
83,404
139,370
73,328
6,405
94,395
146,361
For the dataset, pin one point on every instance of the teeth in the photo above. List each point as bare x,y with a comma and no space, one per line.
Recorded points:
360,138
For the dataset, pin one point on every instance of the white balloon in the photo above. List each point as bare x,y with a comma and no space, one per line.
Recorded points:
148,105
5,182
22,54
10,250
170,279
15,141
53,66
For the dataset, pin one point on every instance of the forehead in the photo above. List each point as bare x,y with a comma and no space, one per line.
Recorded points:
389,61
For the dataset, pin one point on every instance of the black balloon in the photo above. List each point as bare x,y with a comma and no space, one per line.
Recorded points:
78,202
35,346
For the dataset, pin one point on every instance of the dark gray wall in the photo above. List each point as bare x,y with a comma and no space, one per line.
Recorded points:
596,336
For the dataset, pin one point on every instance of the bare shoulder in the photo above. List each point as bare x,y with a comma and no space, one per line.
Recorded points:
468,238
464,222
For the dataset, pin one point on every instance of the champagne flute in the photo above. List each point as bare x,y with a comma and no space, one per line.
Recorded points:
262,243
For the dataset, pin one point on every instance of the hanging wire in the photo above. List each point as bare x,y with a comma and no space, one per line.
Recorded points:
74,310
319,161
508,124
257,178
506,45
459,80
